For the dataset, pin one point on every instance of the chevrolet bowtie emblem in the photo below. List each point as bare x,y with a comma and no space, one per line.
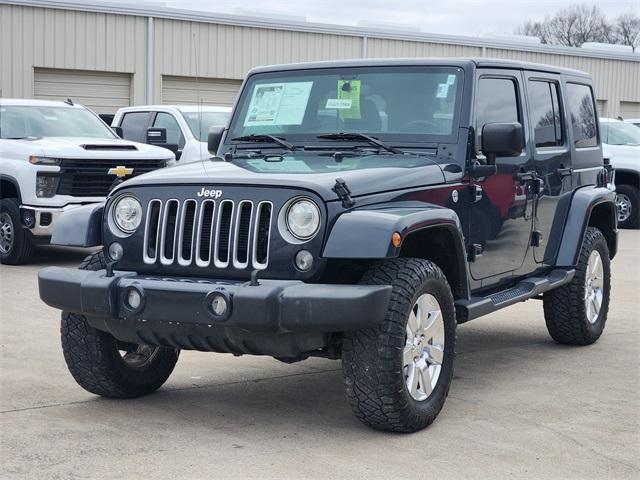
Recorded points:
120,171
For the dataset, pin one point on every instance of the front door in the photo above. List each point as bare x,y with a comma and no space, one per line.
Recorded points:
501,212
552,162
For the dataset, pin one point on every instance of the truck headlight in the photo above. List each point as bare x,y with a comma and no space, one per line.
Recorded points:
35,160
127,213
46,185
303,219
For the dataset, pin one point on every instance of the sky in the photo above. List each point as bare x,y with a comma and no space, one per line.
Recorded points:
457,17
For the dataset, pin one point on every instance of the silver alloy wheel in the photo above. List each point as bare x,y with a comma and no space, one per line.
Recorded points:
594,287
424,348
6,233
624,207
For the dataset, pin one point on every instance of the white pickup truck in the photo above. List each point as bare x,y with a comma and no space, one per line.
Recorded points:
55,156
181,128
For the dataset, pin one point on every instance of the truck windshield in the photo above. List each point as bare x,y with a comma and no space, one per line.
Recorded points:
21,121
620,133
398,105
199,122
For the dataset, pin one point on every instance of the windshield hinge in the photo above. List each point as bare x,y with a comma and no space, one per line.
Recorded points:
343,192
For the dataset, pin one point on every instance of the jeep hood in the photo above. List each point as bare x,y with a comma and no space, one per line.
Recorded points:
363,175
88,148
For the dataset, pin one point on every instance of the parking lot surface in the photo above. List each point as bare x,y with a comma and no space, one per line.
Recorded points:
520,406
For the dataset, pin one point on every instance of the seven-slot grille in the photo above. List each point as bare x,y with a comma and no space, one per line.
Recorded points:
90,178
215,233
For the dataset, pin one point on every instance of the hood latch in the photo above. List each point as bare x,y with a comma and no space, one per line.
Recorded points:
343,192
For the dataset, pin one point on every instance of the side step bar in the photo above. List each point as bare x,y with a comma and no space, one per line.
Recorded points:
531,287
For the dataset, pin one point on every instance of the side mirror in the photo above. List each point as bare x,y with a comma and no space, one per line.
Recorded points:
214,139
156,136
502,140
118,131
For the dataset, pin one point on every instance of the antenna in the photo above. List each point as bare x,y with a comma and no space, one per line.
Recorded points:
198,97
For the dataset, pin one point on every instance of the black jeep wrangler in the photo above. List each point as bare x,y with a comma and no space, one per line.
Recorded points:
354,210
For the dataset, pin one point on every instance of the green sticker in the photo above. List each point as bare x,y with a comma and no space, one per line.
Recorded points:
349,90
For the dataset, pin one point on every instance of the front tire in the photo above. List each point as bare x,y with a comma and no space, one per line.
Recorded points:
576,313
627,204
15,245
398,375
102,365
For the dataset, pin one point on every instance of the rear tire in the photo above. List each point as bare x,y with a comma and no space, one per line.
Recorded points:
627,204
102,365
576,313
380,364
15,244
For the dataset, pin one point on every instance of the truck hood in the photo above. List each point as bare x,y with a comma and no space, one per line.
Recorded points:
623,156
87,148
363,175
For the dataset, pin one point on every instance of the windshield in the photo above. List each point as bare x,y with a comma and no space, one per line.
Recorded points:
20,121
620,133
395,104
199,122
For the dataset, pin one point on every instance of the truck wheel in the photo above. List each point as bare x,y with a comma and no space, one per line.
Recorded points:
105,366
627,203
398,375
577,312
15,245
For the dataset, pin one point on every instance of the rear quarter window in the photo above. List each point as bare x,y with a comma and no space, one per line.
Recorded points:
582,116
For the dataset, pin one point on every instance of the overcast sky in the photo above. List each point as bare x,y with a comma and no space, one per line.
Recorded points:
459,17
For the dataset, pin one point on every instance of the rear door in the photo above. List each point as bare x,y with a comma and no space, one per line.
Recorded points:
552,161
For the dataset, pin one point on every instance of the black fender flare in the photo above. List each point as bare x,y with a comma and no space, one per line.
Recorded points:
583,203
79,227
14,182
366,233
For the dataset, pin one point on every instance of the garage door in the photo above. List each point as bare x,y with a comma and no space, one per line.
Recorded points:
602,108
189,91
630,109
103,92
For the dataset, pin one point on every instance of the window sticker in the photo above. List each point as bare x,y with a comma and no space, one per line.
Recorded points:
339,103
278,104
350,90
286,165
443,90
451,79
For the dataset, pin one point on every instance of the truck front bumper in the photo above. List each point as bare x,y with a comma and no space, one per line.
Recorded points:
44,218
178,312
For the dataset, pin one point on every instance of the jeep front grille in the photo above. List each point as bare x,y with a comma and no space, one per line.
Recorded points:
223,234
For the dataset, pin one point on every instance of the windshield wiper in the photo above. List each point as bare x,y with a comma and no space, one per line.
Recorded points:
361,136
265,138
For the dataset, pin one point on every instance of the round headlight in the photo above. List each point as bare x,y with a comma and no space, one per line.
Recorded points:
127,214
303,219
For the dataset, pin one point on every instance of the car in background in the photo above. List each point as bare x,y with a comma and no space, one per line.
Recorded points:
633,121
621,144
181,128
54,157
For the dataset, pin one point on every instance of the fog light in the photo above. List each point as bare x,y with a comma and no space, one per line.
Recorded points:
304,260
134,299
218,305
115,251
28,218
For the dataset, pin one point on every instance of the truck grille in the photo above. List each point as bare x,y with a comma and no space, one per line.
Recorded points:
90,178
223,234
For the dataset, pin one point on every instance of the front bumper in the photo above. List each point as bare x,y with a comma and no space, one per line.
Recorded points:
175,311
45,218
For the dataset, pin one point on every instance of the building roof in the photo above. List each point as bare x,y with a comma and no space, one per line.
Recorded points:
158,11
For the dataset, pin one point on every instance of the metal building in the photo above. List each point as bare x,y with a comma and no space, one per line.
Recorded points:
111,55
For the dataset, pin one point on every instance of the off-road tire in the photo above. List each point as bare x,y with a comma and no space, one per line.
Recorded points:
22,248
94,360
564,307
631,193
372,358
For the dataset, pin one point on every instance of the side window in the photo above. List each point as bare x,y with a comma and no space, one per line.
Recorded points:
497,102
580,106
174,135
545,113
134,126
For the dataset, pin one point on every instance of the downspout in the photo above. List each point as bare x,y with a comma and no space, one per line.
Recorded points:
150,75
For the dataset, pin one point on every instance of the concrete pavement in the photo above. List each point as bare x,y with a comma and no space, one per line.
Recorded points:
520,406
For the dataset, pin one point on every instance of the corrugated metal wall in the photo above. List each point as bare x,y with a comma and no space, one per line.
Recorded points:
33,37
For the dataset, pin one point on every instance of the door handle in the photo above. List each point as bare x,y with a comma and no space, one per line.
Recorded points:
564,172
527,176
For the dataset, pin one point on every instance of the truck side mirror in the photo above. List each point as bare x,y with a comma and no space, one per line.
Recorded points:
156,136
214,139
118,131
502,140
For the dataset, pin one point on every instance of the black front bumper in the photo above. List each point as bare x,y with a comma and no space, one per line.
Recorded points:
276,317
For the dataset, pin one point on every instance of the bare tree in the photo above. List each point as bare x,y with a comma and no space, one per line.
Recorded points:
627,30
